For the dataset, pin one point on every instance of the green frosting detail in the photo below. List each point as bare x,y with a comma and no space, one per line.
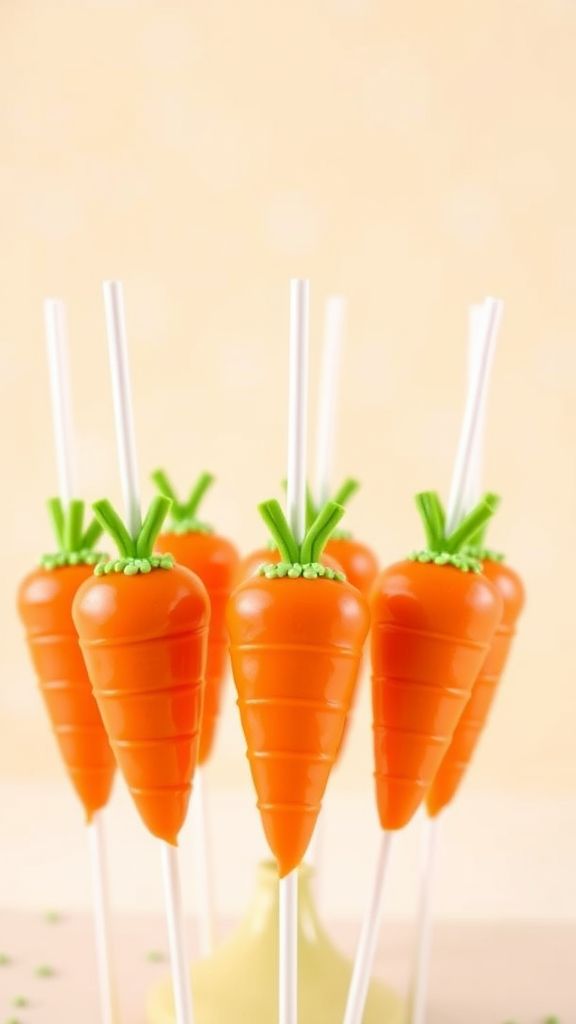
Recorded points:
133,566
62,558
463,561
75,544
293,570
458,549
183,514
136,553
300,560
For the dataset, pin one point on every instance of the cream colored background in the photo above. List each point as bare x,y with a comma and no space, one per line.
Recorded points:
415,156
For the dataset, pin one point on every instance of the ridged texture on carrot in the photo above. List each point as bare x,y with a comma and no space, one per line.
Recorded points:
144,642
471,724
296,647
214,559
431,629
45,606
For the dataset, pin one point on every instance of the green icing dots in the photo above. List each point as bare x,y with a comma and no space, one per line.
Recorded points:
131,566
459,560
62,558
295,570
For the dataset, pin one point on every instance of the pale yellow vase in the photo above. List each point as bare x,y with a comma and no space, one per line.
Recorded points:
239,983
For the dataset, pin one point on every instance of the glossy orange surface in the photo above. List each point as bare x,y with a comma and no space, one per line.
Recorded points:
357,560
144,641
475,715
214,559
431,629
249,565
45,607
296,646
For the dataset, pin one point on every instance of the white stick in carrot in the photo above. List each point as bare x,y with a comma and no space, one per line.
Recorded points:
58,364
125,440
483,327
296,508
472,418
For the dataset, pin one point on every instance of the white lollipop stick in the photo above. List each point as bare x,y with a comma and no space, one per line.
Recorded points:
296,509
57,349
204,888
475,316
483,326
487,334
58,364
334,322
125,442
101,910
364,961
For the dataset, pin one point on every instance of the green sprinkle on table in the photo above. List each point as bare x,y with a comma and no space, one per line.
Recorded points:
45,971
20,1001
52,917
13,1020
4,960
552,1020
155,956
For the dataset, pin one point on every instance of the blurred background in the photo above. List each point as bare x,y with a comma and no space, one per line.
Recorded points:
414,157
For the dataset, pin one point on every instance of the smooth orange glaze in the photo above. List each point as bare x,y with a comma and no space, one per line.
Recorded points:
431,629
475,715
296,646
214,559
357,560
144,641
249,565
45,607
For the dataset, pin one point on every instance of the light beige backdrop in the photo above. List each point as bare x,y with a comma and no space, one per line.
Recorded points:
415,157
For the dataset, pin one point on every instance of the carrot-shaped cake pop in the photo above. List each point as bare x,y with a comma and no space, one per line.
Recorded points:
434,617
357,560
143,625
297,632
214,559
45,606
475,715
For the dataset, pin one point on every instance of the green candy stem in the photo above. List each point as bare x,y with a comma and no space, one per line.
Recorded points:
75,545
300,559
184,514
136,552
457,548
341,497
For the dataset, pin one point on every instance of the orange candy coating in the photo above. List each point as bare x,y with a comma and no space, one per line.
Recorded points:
296,646
431,630
214,560
469,729
144,640
45,606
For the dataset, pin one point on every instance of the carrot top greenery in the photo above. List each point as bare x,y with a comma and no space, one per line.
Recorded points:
458,549
136,552
184,514
75,544
300,559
